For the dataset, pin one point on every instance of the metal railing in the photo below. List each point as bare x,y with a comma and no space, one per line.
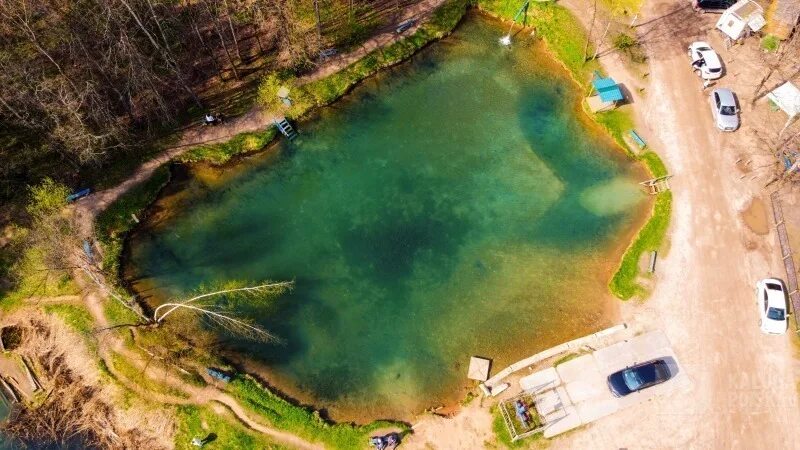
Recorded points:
786,256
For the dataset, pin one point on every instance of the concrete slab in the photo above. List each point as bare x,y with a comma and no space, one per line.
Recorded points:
582,395
547,403
649,346
576,369
570,420
541,380
590,388
597,408
613,357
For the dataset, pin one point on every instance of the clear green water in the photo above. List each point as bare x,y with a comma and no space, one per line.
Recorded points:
457,205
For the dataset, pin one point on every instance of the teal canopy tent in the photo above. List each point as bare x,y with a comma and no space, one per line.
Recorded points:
607,89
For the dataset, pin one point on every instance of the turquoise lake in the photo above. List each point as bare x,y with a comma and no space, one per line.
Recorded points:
458,204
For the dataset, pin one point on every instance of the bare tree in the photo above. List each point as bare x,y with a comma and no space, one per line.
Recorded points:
223,316
788,52
591,29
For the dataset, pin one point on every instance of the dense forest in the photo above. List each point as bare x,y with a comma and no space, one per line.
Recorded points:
85,82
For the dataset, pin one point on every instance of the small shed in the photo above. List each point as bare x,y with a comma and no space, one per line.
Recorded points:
608,93
479,368
787,98
741,18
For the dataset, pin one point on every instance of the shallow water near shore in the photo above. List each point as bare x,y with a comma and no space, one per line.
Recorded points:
456,205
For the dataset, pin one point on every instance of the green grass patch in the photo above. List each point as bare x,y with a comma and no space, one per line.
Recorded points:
566,358
653,163
33,278
501,431
116,314
75,317
116,220
223,152
622,7
563,33
617,122
650,237
770,43
303,422
133,374
200,422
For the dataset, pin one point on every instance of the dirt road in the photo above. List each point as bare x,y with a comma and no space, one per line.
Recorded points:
744,392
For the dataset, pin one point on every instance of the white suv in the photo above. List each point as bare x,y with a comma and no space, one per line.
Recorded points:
705,61
772,306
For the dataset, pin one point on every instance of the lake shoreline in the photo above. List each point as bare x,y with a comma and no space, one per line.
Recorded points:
617,243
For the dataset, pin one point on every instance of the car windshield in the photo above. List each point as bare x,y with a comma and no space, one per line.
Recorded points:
632,379
727,110
776,314
703,48
774,287
715,70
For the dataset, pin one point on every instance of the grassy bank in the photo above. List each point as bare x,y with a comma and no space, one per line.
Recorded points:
223,431
223,152
566,38
116,220
324,91
76,317
303,422
561,31
624,282
650,238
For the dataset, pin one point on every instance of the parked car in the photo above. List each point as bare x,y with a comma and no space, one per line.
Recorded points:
705,61
639,377
717,6
724,109
772,306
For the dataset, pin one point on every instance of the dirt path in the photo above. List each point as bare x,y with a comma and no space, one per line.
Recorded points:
109,344
88,208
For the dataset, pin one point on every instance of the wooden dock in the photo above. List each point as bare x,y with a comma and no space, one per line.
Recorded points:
786,255
657,185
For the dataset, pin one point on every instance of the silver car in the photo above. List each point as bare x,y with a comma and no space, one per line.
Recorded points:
723,107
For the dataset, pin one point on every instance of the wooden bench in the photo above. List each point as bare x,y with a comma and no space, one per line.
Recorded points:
638,139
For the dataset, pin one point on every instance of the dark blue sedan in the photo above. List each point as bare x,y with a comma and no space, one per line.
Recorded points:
638,377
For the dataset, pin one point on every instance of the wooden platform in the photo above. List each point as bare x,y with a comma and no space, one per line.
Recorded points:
657,185
597,105
479,368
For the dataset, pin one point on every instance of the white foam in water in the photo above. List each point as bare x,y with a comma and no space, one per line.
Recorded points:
611,197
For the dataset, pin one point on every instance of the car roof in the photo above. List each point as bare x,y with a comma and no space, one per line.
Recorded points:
725,96
776,299
711,58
